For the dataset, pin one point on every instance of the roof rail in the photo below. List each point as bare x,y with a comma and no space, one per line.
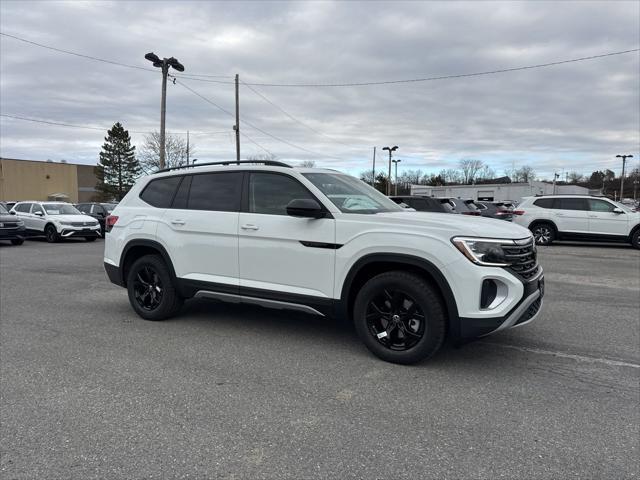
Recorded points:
270,163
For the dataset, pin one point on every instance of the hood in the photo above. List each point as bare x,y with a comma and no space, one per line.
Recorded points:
452,225
73,218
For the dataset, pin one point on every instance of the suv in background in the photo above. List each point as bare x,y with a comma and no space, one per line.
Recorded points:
324,243
98,210
421,204
56,220
460,205
578,217
499,210
11,228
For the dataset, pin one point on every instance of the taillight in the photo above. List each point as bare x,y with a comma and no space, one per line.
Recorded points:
518,212
110,222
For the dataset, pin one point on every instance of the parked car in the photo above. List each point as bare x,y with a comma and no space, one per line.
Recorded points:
460,205
11,227
420,204
98,210
578,217
56,220
321,242
499,210
8,205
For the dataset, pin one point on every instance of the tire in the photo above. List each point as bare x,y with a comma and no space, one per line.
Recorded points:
17,241
544,233
51,234
411,330
152,293
90,239
635,239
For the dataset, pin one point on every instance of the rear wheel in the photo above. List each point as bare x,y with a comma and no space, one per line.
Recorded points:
635,239
17,241
151,291
400,317
543,233
51,234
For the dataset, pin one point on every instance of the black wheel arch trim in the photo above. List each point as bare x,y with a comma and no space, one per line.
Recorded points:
403,259
539,221
148,244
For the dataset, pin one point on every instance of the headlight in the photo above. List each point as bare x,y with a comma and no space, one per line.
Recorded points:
482,251
66,223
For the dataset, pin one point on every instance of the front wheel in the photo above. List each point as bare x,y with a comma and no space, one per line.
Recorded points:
51,234
543,233
635,240
17,241
151,291
400,317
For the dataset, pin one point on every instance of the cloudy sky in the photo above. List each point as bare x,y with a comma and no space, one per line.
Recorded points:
574,116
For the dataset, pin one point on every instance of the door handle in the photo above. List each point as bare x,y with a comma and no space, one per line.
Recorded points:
248,226
593,216
560,214
178,222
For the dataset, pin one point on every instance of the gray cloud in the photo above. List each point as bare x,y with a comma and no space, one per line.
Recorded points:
575,116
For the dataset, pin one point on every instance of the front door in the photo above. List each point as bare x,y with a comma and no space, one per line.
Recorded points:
604,221
283,256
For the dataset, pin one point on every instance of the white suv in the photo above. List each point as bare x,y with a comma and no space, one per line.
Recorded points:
56,220
578,217
324,243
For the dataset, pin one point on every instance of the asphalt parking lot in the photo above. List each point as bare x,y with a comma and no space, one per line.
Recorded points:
89,390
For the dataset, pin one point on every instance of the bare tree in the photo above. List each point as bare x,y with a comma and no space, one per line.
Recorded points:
470,168
262,157
175,152
308,164
524,174
486,173
575,177
451,176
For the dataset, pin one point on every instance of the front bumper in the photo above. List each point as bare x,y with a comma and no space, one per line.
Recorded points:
67,232
525,311
18,233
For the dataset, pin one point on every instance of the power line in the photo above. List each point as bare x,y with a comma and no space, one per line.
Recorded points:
294,118
86,127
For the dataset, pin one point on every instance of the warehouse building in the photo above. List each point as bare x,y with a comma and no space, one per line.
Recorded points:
498,191
35,180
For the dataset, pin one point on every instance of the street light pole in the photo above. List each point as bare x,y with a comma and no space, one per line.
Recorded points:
391,150
164,65
396,162
624,159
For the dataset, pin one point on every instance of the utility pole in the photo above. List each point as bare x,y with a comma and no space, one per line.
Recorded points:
555,177
164,65
373,179
396,162
391,150
237,125
624,160
187,148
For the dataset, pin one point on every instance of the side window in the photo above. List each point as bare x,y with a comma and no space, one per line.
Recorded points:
23,207
270,193
220,192
159,193
572,204
36,208
419,204
84,207
544,203
600,206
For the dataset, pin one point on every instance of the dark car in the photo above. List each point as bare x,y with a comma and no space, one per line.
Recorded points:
11,227
421,204
500,210
460,205
99,211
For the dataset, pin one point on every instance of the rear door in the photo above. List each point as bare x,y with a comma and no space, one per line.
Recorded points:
604,221
202,223
283,256
570,215
22,212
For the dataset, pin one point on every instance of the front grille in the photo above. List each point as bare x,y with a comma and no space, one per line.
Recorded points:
82,224
523,259
531,311
9,224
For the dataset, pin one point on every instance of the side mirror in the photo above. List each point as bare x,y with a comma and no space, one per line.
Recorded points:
38,214
305,207
617,210
12,212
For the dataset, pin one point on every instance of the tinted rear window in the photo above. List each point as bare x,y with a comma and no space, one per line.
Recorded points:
216,191
159,193
544,202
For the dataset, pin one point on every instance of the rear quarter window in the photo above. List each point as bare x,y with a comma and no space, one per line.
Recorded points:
159,192
544,202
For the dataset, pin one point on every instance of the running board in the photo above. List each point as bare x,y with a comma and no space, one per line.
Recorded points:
263,302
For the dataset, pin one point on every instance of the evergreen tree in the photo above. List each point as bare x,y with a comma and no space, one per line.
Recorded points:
118,167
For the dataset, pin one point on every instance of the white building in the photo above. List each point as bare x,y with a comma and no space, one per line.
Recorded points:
497,191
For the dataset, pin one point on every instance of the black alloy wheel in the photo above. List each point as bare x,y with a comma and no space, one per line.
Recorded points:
395,320
51,234
148,288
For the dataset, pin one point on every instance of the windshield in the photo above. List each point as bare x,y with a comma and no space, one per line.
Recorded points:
623,207
3,211
351,195
60,209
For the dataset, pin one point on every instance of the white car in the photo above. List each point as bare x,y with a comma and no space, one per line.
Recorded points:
324,243
578,217
56,220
